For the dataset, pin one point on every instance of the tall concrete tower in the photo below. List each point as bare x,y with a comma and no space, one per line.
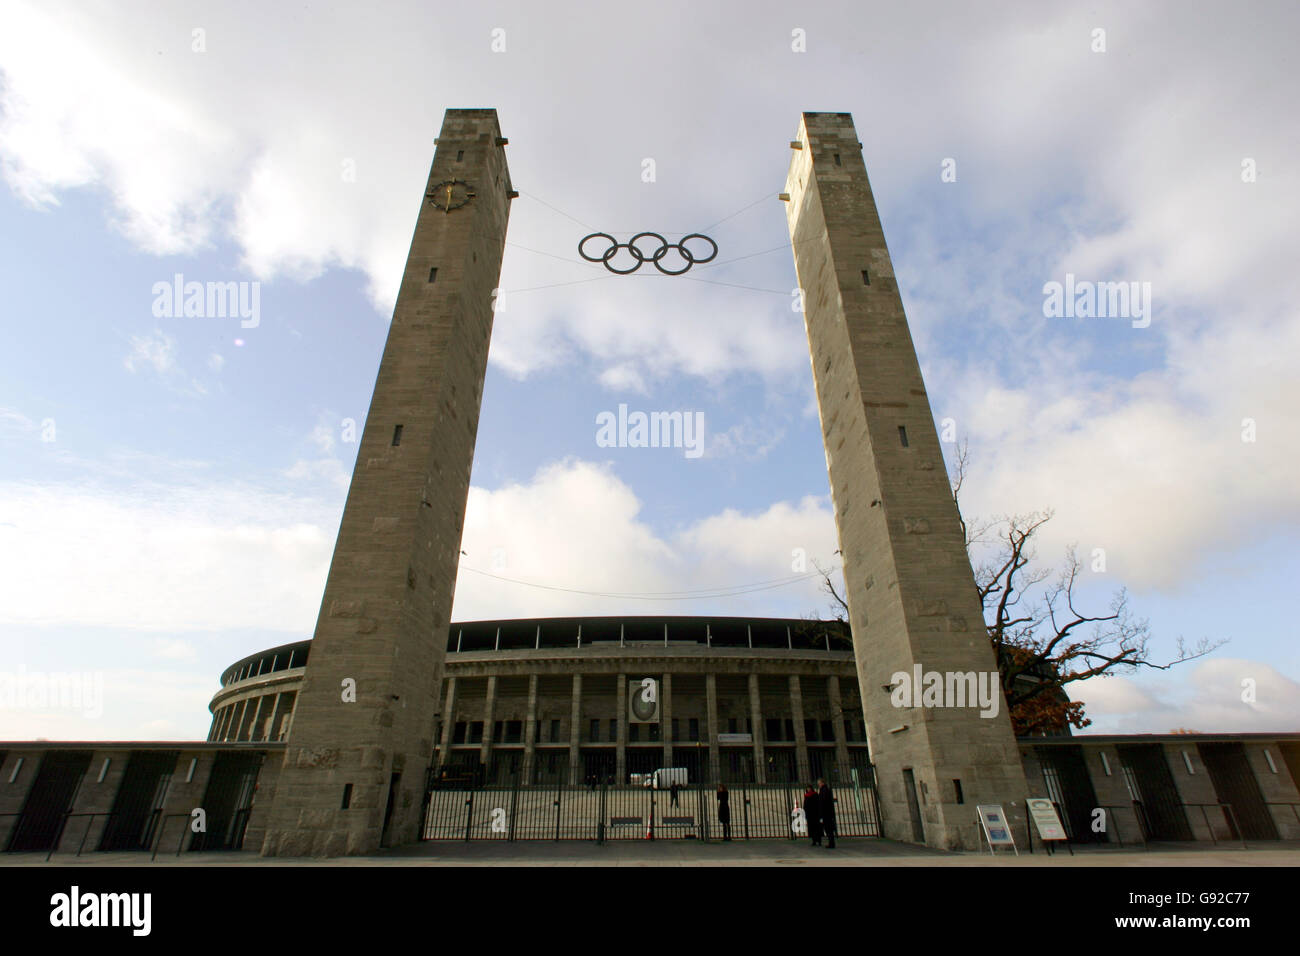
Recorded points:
362,733
911,593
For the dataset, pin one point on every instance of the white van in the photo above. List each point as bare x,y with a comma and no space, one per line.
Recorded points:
665,777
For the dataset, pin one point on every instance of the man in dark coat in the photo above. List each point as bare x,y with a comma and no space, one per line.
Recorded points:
724,811
813,815
826,804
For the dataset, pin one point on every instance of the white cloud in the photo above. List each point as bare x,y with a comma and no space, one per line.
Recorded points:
577,526
157,351
179,558
1206,697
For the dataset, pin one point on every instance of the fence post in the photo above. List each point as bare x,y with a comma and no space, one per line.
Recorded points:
514,807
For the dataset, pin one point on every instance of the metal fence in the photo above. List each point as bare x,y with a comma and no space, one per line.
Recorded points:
607,812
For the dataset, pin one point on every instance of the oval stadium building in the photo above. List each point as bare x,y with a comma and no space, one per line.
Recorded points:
546,701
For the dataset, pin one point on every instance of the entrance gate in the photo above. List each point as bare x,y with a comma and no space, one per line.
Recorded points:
604,812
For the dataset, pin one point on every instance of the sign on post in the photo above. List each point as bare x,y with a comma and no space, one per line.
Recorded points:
997,831
1046,820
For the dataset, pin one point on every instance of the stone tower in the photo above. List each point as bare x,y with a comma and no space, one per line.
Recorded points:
911,593
356,759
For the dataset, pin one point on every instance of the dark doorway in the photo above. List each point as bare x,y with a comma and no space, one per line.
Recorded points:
644,760
1070,787
821,763
737,766
1151,785
51,796
228,800
913,806
780,765
691,759
137,808
1235,784
597,766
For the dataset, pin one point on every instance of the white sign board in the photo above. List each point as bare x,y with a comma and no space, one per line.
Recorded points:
996,827
1046,820
735,738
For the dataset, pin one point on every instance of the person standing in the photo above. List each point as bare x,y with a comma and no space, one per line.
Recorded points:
724,811
826,804
813,815
673,790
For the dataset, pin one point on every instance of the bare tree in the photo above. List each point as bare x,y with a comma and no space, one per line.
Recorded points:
1042,639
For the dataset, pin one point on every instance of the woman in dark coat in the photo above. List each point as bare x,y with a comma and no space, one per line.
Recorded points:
724,810
826,803
813,815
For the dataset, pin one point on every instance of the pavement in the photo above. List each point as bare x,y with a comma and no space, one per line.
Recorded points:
848,852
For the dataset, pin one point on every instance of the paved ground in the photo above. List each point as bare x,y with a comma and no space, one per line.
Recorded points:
693,853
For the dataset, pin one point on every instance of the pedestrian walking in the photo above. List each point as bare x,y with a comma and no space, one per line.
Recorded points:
724,811
826,804
812,814
673,790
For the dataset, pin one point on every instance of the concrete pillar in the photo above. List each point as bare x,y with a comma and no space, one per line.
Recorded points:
909,585
384,616
756,722
837,722
800,738
715,758
530,733
666,717
575,730
489,713
448,723
620,753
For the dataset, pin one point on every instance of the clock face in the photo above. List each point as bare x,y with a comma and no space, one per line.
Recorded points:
451,194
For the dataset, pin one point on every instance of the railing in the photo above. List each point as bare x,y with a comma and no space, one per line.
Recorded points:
162,825
603,812
1114,820
1230,817
90,822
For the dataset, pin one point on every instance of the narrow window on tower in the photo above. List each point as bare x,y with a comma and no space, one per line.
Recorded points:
957,786
397,434
837,159
347,796
460,154
866,279
433,274
902,435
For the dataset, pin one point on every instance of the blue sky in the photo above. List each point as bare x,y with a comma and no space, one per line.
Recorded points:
181,510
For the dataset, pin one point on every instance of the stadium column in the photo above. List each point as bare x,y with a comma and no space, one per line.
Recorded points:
370,690
800,735
711,698
530,733
756,728
489,718
908,580
575,730
666,717
620,747
837,724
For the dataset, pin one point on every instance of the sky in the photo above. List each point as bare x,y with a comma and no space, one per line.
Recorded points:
171,486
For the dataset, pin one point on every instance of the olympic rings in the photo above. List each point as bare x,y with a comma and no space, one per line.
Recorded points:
641,258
